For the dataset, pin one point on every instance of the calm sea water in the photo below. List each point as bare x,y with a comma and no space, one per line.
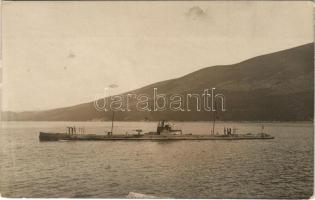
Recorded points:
279,168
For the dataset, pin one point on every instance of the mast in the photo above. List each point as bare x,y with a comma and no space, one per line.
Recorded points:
112,122
109,96
214,116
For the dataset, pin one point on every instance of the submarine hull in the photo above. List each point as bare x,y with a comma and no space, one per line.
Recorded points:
44,136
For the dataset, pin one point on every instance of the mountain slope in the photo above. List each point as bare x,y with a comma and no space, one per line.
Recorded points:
277,86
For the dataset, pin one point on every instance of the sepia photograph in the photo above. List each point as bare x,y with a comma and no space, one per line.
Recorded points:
157,99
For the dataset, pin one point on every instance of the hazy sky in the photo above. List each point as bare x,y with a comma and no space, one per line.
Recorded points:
59,54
